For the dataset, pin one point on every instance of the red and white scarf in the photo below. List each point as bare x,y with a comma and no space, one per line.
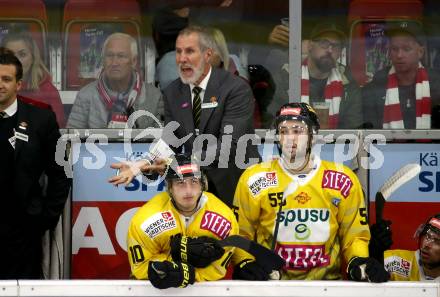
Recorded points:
392,115
333,92
108,100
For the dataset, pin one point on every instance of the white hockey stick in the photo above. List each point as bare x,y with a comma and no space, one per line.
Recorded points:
400,177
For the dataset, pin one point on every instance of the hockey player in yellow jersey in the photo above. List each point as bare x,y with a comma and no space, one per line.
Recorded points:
172,239
319,204
404,265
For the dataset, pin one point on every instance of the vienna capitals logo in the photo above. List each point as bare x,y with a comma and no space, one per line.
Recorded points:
302,198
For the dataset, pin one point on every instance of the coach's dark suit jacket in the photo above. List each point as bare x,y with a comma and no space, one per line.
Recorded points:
33,158
234,107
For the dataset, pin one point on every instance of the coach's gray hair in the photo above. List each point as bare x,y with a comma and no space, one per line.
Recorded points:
205,38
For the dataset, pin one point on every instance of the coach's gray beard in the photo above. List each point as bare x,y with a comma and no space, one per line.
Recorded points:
198,71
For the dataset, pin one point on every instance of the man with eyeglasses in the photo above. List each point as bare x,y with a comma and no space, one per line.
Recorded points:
326,84
311,212
118,92
404,265
405,95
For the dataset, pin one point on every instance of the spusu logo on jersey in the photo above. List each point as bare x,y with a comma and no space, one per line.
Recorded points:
337,181
216,223
261,181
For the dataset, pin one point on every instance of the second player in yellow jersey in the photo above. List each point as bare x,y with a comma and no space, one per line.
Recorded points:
319,204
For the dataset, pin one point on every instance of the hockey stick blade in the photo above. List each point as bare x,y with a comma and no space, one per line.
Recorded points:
399,178
265,257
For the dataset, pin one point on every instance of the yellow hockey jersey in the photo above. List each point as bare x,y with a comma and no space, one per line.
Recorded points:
404,265
152,226
323,214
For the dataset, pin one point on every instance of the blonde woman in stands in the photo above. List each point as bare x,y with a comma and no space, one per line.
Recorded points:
37,82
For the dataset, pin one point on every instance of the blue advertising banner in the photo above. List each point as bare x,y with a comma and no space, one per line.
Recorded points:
423,188
92,170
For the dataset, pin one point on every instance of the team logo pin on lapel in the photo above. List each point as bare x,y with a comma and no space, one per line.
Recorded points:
23,125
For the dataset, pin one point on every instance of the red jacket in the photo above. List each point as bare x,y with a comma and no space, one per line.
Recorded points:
47,93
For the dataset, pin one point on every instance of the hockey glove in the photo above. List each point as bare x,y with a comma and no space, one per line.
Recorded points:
381,239
197,251
250,270
367,270
166,274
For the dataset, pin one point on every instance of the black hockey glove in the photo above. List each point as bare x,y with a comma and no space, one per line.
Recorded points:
250,270
367,270
197,251
381,239
166,274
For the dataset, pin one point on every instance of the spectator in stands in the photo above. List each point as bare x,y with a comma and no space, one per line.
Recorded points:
221,58
167,24
327,85
172,239
277,64
309,211
405,94
214,101
28,140
37,83
118,92
403,265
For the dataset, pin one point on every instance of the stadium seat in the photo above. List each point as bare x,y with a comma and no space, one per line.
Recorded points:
86,24
368,47
15,19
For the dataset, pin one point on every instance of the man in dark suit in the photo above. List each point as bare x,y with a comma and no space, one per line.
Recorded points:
28,137
214,101
210,99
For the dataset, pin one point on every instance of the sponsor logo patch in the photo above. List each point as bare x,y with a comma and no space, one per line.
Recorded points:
303,198
261,181
216,224
337,181
293,111
397,265
159,223
188,168
304,225
303,257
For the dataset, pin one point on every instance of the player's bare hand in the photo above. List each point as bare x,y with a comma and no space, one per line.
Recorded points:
279,36
126,171
159,166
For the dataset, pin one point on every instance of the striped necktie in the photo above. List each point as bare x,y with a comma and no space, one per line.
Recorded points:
3,115
197,106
